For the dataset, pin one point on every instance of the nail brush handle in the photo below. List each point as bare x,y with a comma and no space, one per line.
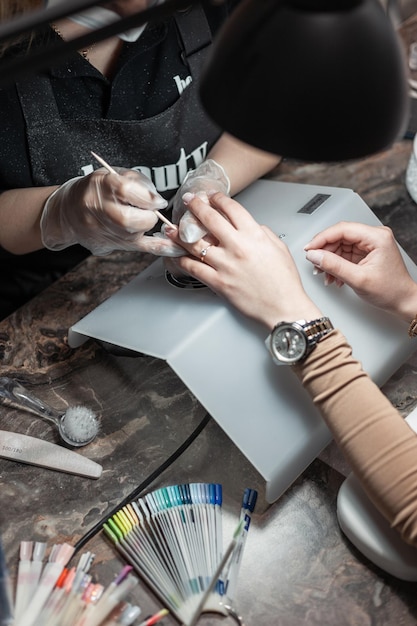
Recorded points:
12,393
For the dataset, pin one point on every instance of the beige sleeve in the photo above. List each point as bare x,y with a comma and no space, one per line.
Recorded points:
375,439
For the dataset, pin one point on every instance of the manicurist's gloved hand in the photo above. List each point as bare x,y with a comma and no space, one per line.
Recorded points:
208,178
104,212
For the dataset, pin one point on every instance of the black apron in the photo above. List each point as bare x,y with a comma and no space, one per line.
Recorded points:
153,145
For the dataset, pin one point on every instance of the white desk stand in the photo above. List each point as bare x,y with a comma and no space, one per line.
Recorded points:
221,356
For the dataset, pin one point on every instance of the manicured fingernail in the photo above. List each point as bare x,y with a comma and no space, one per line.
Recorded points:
187,197
315,257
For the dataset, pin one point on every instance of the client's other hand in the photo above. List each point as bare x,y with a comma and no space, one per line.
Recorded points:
366,258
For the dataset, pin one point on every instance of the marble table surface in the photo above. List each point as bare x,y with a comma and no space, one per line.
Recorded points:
298,568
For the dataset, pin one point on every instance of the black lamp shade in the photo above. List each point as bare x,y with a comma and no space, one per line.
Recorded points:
321,80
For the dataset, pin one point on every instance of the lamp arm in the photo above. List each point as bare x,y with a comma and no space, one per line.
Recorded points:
33,19
12,70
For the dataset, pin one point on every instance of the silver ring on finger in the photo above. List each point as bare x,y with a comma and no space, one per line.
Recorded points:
203,253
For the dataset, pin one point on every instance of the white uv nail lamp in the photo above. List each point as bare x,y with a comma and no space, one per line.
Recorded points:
221,356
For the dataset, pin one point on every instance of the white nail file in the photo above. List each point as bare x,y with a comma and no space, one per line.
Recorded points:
25,449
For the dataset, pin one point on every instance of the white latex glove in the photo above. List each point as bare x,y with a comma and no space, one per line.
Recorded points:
208,178
104,212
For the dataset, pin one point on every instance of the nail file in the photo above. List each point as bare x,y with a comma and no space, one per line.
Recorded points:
25,449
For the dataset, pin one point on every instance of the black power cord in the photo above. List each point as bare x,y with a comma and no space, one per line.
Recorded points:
144,484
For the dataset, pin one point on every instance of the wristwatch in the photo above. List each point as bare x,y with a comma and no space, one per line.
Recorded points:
291,342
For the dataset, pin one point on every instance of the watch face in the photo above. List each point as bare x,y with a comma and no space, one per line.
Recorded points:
289,344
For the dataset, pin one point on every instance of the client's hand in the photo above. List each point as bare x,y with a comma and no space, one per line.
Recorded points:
105,211
367,259
245,263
